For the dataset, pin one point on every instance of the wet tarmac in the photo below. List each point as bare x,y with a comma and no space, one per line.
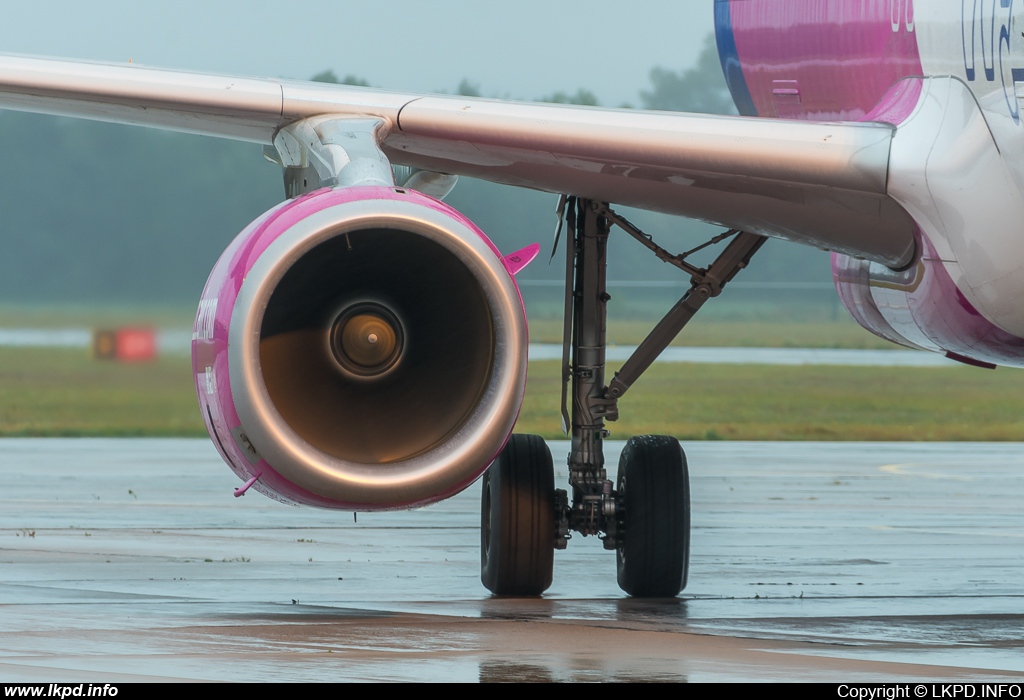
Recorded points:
127,560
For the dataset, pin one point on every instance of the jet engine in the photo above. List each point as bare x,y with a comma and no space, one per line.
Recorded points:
360,348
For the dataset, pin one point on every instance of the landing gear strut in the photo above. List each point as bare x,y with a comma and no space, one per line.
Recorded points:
645,515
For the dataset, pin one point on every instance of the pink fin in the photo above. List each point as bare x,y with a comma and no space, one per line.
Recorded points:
514,262
240,491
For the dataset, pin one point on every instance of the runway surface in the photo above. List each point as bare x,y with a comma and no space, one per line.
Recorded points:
126,560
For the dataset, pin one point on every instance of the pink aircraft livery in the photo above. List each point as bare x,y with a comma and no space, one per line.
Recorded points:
363,345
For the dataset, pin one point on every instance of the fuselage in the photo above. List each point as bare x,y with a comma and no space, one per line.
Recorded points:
949,76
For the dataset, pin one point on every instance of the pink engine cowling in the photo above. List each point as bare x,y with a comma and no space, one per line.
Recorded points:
360,348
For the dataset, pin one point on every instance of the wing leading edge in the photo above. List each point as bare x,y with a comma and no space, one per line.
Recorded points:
821,184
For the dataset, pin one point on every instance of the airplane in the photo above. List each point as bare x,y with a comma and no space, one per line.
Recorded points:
363,346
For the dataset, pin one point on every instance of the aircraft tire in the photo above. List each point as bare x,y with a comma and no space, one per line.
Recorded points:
517,529
654,549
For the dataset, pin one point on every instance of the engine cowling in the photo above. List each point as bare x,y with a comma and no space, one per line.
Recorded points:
360,348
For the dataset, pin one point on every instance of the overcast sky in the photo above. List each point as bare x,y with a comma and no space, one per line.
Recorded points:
523,49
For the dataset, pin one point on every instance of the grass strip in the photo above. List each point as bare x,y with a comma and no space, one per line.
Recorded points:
61,392
773,333
762,402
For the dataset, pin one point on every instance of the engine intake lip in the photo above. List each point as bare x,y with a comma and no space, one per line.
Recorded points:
438,471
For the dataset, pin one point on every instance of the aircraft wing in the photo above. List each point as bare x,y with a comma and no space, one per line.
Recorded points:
821,184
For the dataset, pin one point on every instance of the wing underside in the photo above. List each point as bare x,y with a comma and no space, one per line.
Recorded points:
821,184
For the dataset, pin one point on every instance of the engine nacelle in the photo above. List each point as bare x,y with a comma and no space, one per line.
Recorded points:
361,348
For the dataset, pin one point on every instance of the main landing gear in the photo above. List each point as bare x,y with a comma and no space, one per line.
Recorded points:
517,519
645,515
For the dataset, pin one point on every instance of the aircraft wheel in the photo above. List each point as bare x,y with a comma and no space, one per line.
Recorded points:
654,545
517,528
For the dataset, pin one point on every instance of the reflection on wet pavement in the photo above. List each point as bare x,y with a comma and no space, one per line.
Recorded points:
130,560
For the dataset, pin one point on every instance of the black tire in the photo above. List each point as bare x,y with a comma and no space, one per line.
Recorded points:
654,551
517,522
